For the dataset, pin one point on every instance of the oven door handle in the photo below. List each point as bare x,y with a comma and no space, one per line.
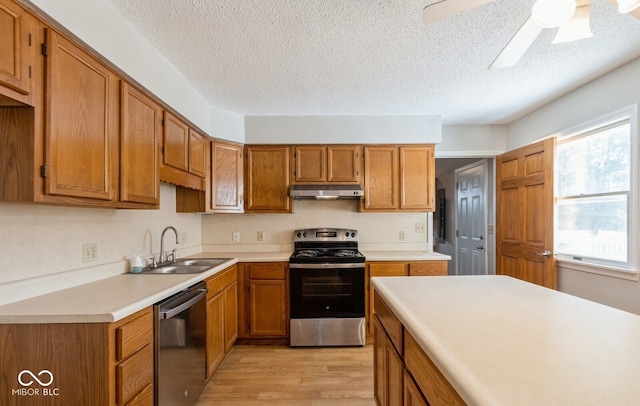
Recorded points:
189,298
327,265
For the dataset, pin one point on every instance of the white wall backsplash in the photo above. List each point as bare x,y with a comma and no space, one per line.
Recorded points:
377,231
41,246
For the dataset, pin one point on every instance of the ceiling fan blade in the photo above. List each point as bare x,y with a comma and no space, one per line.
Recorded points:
518,45
635,13
578,27
447,8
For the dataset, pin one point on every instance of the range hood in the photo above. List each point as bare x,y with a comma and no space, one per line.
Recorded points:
326,192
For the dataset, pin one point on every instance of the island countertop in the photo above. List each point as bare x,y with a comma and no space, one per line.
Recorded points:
502,341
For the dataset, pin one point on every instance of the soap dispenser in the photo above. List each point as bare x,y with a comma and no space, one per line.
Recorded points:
137,265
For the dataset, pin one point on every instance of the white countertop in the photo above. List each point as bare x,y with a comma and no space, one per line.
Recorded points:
501,341
116,297
404,256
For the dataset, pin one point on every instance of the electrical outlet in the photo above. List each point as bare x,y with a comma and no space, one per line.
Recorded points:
184,237
260,235
421,228
89,252
401,235
235,236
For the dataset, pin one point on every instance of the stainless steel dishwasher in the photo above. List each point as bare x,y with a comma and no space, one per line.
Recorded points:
180,346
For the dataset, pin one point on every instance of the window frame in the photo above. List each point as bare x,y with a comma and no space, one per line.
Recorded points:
629,269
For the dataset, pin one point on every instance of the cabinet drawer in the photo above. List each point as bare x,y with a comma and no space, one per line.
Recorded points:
134,335
217,283
387,269
134,374
143,398
390,322
433,385
428,268
267,271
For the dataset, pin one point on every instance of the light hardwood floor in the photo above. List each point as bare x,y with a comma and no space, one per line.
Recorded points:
272,375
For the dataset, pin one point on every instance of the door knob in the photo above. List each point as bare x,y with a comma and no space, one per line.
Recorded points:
545,253
480,247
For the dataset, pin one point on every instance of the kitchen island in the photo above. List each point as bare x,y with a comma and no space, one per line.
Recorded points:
496,340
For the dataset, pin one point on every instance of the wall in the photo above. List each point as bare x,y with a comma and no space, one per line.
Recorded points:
613,91
463,141
379,231
42,245
343,129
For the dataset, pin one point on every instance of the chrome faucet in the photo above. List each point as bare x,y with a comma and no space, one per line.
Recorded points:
164,258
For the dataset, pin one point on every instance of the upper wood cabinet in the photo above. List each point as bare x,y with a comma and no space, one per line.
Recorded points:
267,169
227,179
399,178
322,164
81,124
184,154
141,132
16,50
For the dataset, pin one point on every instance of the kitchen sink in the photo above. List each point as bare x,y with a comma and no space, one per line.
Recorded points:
175,269
209,262
185,266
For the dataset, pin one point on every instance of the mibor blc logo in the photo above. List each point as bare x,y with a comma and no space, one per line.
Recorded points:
35,384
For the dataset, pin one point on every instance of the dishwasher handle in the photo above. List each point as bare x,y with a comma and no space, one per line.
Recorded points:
181,302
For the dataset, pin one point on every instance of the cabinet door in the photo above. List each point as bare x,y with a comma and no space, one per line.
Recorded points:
388,370
81,128
176,143
310,164
417,176
267,307
14,47
344,163
268,179
140,137
215,333
412,394
230,315
197,154
227,185
381,178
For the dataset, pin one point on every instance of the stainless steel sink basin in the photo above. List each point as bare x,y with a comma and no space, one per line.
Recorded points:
175,269
186,266
209,262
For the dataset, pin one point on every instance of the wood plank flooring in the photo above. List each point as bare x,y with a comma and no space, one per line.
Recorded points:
273,375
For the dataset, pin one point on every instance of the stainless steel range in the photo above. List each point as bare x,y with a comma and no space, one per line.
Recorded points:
326,284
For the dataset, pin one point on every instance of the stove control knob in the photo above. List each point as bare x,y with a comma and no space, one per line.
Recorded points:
304,235
353,234
347,234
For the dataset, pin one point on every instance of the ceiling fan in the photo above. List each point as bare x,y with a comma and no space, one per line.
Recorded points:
571,17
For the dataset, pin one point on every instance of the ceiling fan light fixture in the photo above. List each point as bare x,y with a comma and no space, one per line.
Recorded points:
553,13
626,6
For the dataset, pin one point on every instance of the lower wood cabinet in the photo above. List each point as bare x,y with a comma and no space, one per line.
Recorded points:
222,316
403,373
87,363
397,268
264,312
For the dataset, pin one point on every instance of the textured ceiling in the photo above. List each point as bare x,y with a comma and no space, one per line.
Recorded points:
374,57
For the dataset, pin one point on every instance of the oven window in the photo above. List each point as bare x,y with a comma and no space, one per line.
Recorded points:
319,293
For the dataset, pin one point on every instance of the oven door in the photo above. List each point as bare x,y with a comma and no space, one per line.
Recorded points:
322,290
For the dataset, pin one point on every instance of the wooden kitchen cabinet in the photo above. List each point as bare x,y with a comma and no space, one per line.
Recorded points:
91,363
82,126
399,178
222,316
141,132
265,303
327,164
388,368
17,57
268,174
227,177
184,154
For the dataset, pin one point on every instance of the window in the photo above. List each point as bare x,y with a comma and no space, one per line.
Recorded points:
595,178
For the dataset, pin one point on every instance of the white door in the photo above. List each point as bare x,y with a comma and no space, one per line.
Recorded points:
471,253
